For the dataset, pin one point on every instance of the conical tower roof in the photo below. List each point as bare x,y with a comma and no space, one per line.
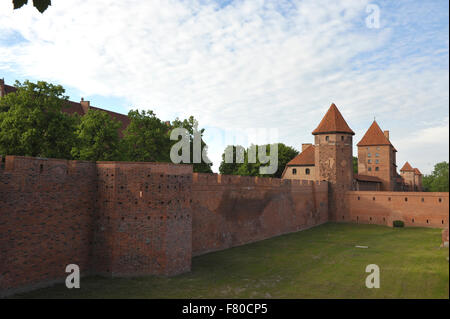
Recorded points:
333,122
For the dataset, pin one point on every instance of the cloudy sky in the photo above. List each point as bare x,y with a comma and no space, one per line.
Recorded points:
245,64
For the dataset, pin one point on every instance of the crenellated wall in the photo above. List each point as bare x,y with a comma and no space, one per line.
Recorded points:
128,219
234,210
413,208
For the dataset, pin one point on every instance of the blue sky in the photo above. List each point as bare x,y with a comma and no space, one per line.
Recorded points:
247,64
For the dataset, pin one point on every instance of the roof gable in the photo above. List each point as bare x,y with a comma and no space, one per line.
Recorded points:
407,168
305,158
374,136
333,122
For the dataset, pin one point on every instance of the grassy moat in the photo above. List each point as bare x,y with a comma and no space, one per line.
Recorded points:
322,262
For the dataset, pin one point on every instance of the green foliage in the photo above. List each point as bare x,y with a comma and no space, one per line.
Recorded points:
285,154
97,137
437,181
40,5
355,165
191,124
32,122
146,139
398,223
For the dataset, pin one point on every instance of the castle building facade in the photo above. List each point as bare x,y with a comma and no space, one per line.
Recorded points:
330,158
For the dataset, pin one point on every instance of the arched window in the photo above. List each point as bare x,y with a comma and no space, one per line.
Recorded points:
327,138
307,171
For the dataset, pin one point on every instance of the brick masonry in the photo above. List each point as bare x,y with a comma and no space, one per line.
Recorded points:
114,219
128,219
236,210
413,208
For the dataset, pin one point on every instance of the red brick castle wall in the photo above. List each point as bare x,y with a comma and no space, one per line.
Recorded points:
413,208
115,219
234,210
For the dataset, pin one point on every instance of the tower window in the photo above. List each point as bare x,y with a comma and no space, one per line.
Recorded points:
377,161
377,168
369,161
327,138
342,137
307,171
376,154
294,171
369,155
369,169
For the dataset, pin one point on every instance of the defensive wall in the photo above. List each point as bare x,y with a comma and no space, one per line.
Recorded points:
128,219
234,210
424,209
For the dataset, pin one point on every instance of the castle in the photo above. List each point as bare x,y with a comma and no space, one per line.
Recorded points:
132,218
377,168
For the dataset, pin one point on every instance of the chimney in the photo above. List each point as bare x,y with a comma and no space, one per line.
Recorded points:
386,133
2,87
305,146
85,105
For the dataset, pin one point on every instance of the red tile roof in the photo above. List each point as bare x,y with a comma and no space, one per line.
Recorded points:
305,158
374,136
416,170
9,89
333,122
407,168
367,178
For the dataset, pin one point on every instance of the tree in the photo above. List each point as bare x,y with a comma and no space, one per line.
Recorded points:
437,181
146,139
32,122
285,154
97,137
41,5
355,165
191,125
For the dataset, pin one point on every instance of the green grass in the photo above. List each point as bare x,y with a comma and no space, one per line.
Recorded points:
321,262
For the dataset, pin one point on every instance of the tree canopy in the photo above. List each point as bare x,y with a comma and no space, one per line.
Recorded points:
285,154
97,137
32,123
437,181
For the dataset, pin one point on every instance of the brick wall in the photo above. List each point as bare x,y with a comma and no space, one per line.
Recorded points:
234,210
115,219
127,219
414,208
144,219
46,218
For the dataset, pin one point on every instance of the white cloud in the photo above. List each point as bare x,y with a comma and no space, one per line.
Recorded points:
249,64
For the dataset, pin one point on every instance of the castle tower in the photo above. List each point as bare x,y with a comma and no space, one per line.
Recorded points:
377,157
408,175
333,140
